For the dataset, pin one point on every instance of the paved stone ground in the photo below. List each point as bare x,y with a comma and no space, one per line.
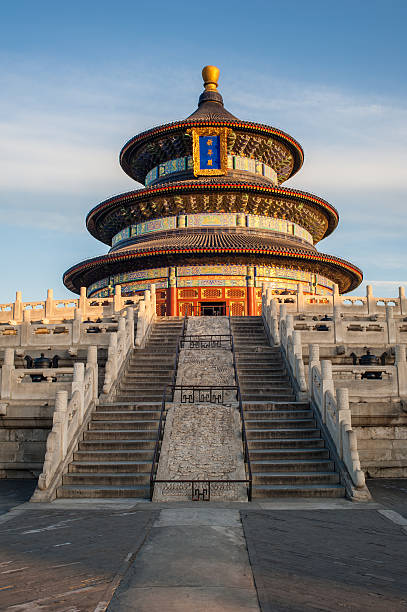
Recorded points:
194,560
327,560
14,492
391,492
72,556
60,560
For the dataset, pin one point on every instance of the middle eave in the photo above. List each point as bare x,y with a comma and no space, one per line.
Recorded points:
188,197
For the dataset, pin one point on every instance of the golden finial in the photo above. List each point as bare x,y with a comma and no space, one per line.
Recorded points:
210,75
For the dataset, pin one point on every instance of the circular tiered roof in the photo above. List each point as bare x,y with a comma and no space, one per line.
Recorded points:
256,159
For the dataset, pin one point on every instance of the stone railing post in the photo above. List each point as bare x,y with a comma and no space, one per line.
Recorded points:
401,365
336,297
140,323
59,419
403,301
313,360
299,365
49,304
153,299
83,302
300,298
344,415
18,308
371,302
117,299
6,373
130,324
289,321
274,321
76,326
92,363
112,354
391,325
338,325
121,327
25,330
78,385
327,383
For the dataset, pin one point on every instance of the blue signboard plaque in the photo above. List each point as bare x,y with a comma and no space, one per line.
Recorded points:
209,152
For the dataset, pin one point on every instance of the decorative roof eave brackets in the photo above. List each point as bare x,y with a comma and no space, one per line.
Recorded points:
311,212
135,155
347,276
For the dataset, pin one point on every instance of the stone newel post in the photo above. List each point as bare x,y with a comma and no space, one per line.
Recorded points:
401,365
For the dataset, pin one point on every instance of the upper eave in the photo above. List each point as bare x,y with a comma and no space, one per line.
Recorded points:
134,144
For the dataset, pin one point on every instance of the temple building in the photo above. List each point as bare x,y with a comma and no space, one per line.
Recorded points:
213,223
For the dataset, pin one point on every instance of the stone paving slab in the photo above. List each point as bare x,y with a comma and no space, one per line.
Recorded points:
390,492
188,565
324,560
14,492
65,560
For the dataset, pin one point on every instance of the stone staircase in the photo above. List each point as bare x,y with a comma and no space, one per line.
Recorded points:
287,453
115,456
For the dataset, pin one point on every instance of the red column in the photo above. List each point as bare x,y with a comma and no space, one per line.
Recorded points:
251,302
251,299
172,294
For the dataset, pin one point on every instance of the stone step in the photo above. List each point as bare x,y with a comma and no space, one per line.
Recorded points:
146,385
136,395
247,397
263,387
152,363
264,405
162,377
117,444
106,478
120,434
124,424
279,423
261,358
241,342
278,414
252,368
113,455
102,467
293,465
260,374
291,478
129,406
288,443
299,490
125,415
104,492
273,433
272,454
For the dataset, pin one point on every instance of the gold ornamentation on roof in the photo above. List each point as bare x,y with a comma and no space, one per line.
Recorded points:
210,75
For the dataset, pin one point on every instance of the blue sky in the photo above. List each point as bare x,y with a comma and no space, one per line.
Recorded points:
78,79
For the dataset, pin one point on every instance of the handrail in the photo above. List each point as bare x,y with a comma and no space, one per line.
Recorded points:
244,436
205,341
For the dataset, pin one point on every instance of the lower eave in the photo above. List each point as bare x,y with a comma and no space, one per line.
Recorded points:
74,277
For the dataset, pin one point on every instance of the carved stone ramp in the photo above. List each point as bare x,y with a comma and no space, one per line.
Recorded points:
288,455
115,456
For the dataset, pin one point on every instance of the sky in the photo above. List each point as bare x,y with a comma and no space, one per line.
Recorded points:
79,79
